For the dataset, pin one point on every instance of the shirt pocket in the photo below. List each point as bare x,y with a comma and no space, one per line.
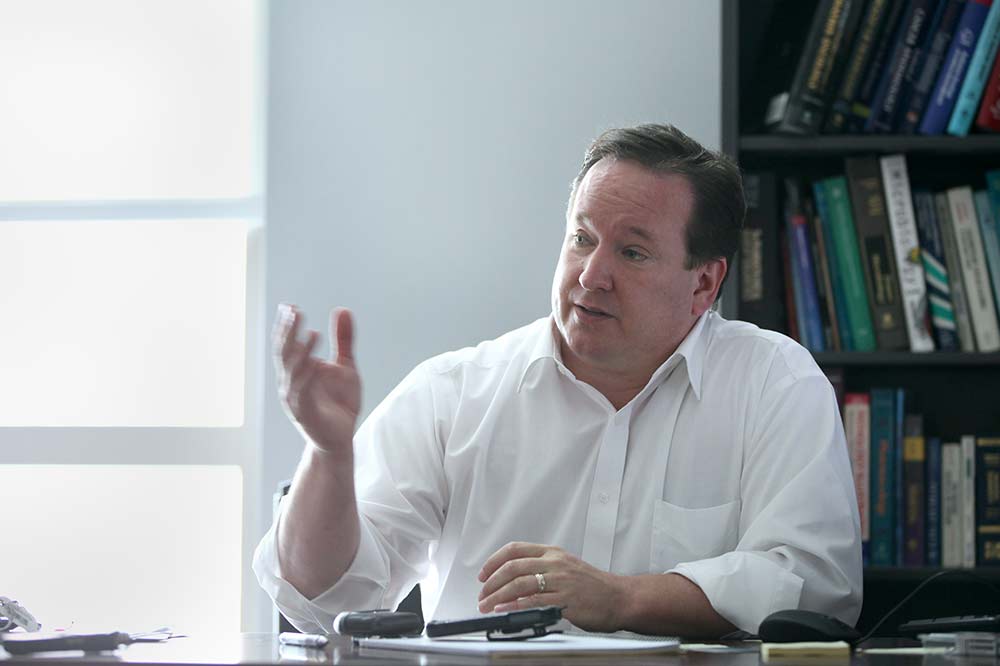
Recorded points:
685,535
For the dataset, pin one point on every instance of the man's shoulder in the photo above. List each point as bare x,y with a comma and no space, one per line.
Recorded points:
743,343
514,347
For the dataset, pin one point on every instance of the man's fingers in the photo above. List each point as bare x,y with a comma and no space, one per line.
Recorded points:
304,365
509,571
286,330
342,330
512,551
521,588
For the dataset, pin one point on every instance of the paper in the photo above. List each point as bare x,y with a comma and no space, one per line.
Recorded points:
553,644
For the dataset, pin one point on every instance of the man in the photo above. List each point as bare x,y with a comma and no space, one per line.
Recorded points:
633,458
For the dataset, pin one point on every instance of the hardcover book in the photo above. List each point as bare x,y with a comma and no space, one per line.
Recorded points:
913,31
963,322
914,484
845,241
871,221
862,103
928,66
951,505
935,273
933,524
988,117
967,102
967,498
988,501
991,240
909,267
883,478
975,275
956,63
824,288
843,326
857,428
760,269
873,24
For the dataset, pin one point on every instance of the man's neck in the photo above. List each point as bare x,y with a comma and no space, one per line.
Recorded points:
618,387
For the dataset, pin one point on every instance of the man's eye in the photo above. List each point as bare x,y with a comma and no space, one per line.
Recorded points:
578,239
634,255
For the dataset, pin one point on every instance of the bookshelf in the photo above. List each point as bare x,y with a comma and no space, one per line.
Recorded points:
957,392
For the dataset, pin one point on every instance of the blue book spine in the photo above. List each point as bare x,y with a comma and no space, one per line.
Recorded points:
956,63
939,301
928,65
800,308
933,499
914,28
836,279
802,257
967,103
899,406
883,479
991,243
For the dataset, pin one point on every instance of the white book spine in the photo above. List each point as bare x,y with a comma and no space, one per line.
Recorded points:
906,243
951,513
975,275
968,501
857,421
960,303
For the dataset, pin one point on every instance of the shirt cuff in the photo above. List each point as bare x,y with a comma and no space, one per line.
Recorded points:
744,587
362,586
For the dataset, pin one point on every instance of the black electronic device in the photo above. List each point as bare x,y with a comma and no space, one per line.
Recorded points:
514,625
793,626
17,643
952,624
384,623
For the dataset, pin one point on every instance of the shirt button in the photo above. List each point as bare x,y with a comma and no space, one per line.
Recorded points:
604,497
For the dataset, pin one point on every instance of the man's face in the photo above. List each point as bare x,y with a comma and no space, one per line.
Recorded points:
622,298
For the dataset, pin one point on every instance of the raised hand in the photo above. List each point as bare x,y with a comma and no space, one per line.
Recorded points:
322,397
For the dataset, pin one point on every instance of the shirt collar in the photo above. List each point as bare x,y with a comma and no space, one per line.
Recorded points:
691,350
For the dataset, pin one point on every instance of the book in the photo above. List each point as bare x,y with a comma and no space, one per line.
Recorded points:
883,478
848,259
900,406
963,322
862,101
791,316
988,116
991,241
975,275
868,34
857,429
871,220
932,555
967,500
987,501
760,268
801,108
914,485
821,271
928,65
906,244
956,63
915,26
843,326
951,506
967,102
795,218
942,314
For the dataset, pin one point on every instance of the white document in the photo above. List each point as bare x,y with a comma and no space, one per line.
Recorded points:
553,644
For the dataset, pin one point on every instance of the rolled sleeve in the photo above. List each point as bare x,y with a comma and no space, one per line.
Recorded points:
362,586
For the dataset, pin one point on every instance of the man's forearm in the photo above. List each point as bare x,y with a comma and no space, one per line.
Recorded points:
319,530
670,605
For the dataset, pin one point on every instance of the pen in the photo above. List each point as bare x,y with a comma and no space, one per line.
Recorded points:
302,640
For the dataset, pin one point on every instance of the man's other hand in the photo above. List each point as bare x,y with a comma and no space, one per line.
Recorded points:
321,397
591,599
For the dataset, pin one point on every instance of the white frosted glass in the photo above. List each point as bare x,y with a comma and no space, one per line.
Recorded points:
124,547
119,99
122,323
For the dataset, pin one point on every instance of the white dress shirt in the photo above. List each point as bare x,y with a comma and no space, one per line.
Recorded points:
729,468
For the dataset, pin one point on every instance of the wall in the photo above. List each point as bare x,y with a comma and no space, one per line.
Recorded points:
420,155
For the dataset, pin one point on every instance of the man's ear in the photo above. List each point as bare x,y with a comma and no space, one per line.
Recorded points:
710,276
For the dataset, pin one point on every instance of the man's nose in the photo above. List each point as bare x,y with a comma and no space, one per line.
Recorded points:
596,275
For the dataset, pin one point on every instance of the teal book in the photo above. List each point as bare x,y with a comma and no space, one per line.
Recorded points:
991,240
967,102
836,279
883,477
845,244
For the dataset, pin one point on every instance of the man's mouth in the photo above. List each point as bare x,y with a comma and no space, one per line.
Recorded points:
592,311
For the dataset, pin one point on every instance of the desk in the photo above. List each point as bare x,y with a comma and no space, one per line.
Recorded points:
264,650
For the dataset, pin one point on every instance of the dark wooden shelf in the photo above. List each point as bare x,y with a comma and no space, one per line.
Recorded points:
917,574
944,359
777,144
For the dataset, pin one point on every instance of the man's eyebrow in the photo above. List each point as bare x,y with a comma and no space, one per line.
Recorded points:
641,233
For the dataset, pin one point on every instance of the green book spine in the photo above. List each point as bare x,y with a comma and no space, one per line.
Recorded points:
845,242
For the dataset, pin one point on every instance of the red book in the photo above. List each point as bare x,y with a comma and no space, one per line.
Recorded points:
988,117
